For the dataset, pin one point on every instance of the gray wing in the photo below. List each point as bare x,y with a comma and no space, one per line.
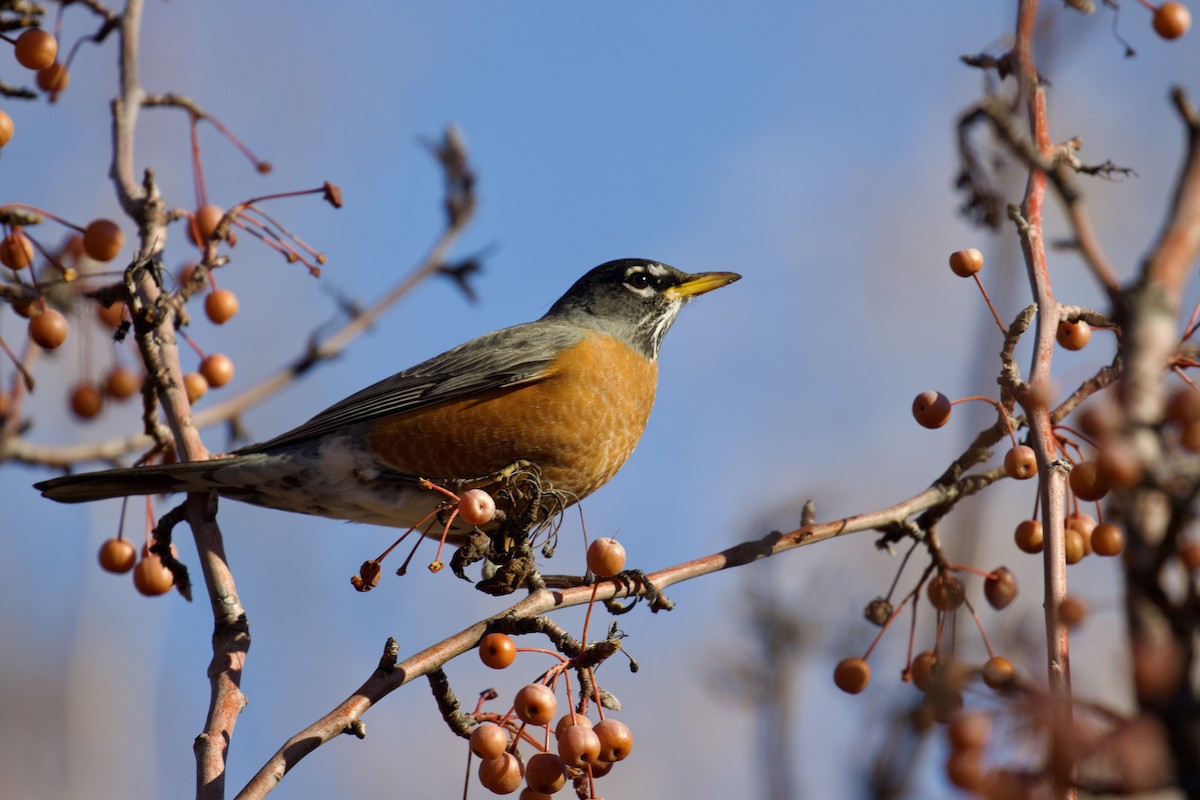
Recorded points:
503,358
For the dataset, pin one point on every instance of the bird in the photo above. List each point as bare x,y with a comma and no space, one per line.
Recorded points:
569,394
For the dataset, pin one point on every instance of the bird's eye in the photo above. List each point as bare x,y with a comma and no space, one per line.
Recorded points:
638,280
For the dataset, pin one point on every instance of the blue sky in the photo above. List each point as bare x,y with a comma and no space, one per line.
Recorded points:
807,146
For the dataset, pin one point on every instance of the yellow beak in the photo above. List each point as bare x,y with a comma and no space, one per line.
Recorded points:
699,284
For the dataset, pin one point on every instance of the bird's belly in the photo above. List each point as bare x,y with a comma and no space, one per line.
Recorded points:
579,424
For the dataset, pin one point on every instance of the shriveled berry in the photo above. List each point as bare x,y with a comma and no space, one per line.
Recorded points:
616,740
606,557
86,400
151,578
16,251
998,672
195,385
1000,587
579,745
946,592
102,239
48,329
1086,481
1020,462
1074,335
852,675
1029,536
121,383
1172,20
501,775
217,369
1075,549
488,740
535,704
36,49
545,773
117,555
497,650
476,507
931,409
220,306
965,263
1107,539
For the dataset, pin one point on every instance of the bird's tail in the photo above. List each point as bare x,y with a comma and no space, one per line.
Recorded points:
196,476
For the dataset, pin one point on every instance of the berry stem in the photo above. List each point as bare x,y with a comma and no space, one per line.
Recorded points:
992,308
978,624
999,407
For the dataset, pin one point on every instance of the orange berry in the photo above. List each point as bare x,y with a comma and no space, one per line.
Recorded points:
111,315
1172,20
931,409
965,263
1119,464
118,555
476,507
1086,481
605,557
1084,523
566,721
1074,335
1075,547
1029,536
1107,539
946,592
1072,611
86,400
1020,462
6,128
151,578
36,49
535,704
497,650
203,223
102,239
16,251
220,306
501,775
616,740
54,78
545,773
195,385
217,369
48,329
579,745
1183,406
488,740
852,675
924,669
965,768
1189,437
121,383
969,730
1000,588
998,672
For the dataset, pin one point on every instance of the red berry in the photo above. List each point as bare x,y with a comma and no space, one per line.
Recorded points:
151,577
476,507
6,128
220,306
497,650
36,49
1000,588
965,263
852,675
931,409
117,555
16,251
1074,335
606,557
535,704
616,740
1107,539
579,745
48,329
488,740
1029,536
102,239
217,369
501,775
1172,20
1020,462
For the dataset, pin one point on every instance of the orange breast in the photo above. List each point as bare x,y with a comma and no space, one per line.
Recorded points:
579,424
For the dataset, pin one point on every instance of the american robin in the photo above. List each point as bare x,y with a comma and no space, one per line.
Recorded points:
568,394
